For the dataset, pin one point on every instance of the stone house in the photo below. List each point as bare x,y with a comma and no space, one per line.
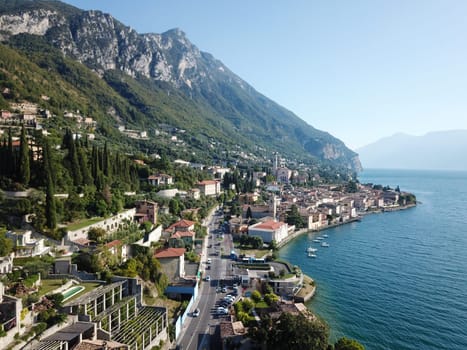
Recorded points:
172,262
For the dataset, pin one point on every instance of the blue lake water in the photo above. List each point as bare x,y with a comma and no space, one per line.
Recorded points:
396,280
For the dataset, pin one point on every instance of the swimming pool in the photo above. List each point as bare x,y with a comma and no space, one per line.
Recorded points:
67,294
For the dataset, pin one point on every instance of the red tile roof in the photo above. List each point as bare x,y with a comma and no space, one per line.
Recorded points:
113,243
208,182
181,223
169,253
180,234
269,225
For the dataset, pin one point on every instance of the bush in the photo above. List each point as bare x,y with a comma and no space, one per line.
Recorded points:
256,296
39,328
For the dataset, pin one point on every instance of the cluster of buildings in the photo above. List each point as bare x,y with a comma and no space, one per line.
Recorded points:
319,207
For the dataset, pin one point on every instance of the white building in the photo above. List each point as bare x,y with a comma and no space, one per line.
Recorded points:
210,187
269,230
25,245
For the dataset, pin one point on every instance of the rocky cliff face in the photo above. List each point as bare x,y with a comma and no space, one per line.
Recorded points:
99,41
102,43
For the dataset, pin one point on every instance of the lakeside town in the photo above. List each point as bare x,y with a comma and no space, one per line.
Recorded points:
228,247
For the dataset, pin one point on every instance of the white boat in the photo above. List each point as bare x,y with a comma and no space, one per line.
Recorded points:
320,238
326,236
311,255
311,250
325,244
316,240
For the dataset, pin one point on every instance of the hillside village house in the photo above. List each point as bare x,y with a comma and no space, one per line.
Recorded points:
146,211
187,237
218,172
182,225
25,245
172,262
160,179
118,249
6,264
210,187
269,230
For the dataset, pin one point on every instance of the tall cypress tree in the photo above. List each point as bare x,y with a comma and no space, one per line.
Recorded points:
24,171
50,208
3,158
72,162
106,161
84,166
11,156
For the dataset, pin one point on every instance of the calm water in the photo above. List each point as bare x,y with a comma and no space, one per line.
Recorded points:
396,280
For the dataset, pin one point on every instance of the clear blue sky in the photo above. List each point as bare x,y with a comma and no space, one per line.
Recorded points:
360,70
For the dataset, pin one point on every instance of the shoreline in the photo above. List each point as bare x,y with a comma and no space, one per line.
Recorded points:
359,218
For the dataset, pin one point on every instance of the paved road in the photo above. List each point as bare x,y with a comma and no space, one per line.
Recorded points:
197,333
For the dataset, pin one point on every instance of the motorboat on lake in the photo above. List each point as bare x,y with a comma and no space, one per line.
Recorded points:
311,250
325,244
311,255
316,240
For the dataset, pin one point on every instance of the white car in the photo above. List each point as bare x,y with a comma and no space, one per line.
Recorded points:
195,313
222,311
207,278
209,260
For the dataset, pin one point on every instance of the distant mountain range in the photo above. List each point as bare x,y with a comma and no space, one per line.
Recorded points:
89,61
440,150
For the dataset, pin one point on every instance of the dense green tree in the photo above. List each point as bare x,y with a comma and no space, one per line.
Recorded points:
6,245
351,187
294,218
50,207
256,296
271,298
24,170
106,161
291,332
96,234
248,213
174,206
348,344
84,166
11,155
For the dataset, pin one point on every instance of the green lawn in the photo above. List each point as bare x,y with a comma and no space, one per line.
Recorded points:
83,223
48,285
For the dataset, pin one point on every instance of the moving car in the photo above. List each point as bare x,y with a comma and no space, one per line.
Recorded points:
196,313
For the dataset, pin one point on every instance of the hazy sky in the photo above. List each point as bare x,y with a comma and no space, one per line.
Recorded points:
361,70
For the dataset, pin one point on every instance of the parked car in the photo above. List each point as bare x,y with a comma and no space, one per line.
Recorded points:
222,311
207,278
224,290
196,313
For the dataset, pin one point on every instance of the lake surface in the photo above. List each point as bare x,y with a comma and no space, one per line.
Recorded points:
396,280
